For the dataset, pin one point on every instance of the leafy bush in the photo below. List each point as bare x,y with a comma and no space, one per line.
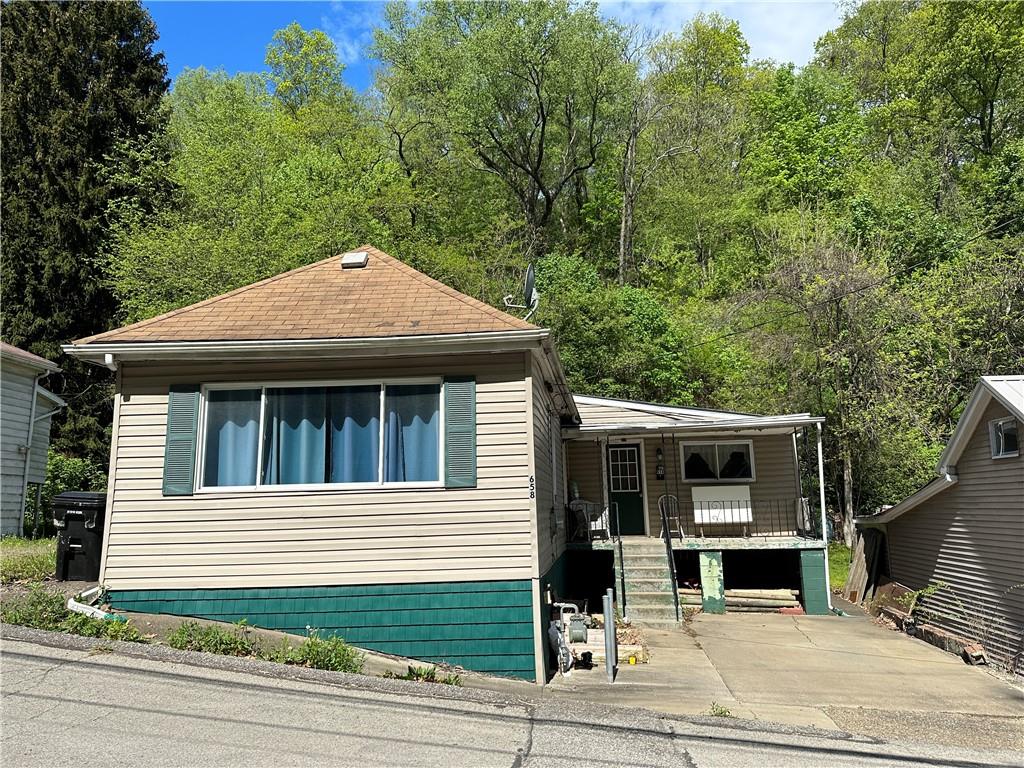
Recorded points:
425,675
331,653
26,560
44,609
63,473
193,636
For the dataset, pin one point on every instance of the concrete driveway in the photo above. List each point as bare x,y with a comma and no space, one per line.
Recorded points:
832,672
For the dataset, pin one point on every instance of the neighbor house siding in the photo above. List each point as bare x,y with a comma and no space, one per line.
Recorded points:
16,387
971,537
303,538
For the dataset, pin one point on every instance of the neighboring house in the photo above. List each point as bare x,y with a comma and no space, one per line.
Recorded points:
26,409
354,447
965,528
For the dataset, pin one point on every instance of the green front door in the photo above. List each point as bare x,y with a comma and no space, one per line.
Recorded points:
626,489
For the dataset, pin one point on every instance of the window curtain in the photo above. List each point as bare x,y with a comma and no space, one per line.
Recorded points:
411,437
295,439
232,437
355,434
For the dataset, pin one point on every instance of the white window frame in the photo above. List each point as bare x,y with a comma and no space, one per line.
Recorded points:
992,426
263,386
716,478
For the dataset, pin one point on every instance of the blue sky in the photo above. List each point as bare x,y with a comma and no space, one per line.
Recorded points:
234,35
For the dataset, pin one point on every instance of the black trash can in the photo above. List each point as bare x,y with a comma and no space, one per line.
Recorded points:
79,517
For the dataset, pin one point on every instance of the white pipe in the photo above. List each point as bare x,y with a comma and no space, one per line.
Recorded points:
95,613
824,528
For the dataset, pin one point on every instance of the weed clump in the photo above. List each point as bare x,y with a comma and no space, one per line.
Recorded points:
42,609
425,675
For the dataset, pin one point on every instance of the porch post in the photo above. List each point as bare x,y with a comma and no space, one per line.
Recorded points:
603,446
824,528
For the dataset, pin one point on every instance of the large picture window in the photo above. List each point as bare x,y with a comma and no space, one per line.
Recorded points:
346,434
710,462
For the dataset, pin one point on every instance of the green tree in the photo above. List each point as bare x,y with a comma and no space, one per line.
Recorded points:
77,79
530,91
304,68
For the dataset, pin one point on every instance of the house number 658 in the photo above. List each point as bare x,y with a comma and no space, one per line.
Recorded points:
533,488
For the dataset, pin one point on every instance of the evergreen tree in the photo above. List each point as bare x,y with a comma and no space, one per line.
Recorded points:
79,80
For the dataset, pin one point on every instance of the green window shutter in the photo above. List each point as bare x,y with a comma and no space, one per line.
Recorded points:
180,448
460,432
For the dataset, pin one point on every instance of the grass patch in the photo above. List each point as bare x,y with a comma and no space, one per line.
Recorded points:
27,559
425,675
330,653
838,564
43,609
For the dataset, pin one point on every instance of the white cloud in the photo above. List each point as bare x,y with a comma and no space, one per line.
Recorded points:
780,30
350,25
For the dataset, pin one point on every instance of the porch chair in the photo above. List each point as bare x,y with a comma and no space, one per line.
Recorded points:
668,507
590,520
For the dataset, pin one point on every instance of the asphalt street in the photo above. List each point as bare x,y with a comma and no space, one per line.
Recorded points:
96,707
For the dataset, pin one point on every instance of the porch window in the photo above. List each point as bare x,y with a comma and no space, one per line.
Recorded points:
1003,437
313,436
708,462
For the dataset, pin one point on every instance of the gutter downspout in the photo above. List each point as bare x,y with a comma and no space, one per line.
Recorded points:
28,448
824,528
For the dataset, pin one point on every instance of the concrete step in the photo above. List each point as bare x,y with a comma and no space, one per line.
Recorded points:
650,598
647,549
648,585
646,560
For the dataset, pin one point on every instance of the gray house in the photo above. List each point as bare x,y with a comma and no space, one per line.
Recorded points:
965,529
26,409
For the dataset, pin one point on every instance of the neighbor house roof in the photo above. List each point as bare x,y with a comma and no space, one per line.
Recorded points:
14,354
385,298
1007,390
604,415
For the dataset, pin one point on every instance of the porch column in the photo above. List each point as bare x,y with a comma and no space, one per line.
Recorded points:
712,582
602,445
824,528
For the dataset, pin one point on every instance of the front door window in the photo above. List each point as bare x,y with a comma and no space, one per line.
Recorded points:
625,469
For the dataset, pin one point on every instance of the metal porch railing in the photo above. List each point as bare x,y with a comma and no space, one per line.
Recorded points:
767,518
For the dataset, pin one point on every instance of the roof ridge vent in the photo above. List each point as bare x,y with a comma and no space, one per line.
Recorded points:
354,259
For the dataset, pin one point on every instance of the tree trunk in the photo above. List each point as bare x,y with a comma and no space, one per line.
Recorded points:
626,225
848,527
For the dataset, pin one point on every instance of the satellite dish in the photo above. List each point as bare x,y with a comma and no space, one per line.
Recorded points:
530,296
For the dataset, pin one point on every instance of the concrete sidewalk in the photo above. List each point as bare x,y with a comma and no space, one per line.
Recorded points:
846,673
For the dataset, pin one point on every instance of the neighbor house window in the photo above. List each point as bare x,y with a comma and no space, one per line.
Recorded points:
1003,435
707,462
365,433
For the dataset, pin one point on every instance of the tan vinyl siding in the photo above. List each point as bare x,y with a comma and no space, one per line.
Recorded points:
584,469
16,386
775,482
308,538
547,448
971,537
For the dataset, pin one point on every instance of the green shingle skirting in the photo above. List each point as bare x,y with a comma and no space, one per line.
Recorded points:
485,626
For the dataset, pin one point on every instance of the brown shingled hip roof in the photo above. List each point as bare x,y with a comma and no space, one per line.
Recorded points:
324,301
